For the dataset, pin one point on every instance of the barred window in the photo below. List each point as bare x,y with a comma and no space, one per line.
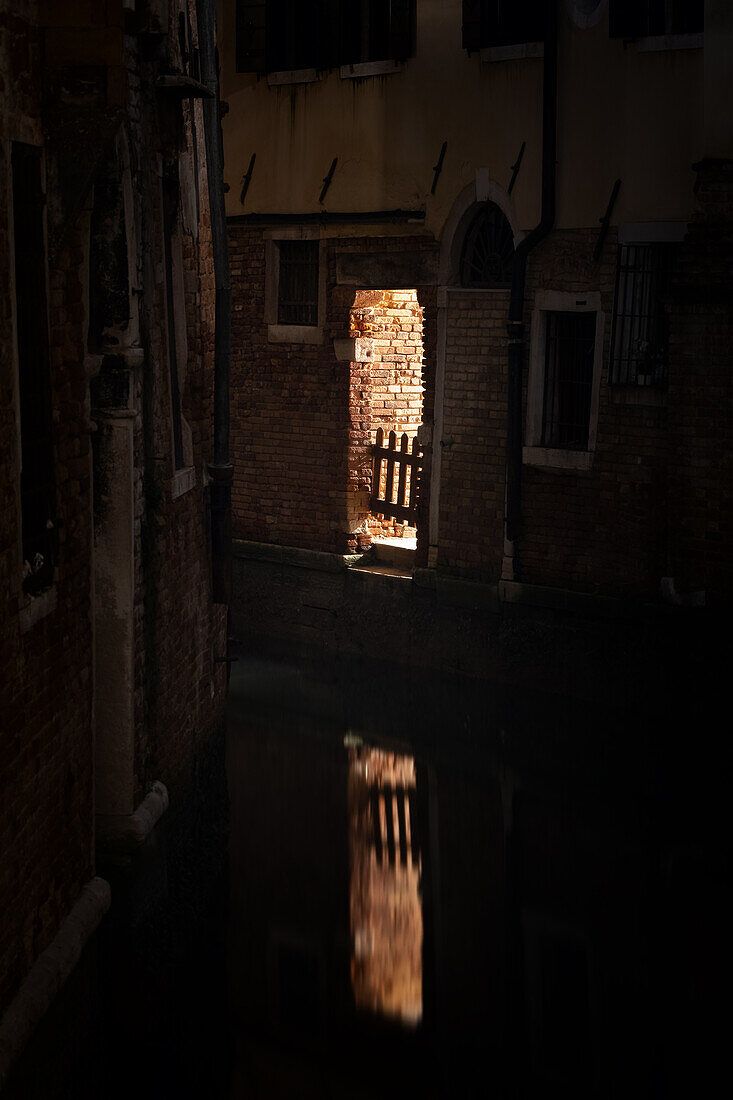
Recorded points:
640,329
488,250
639,18
37,478
503,22
569,356
297,296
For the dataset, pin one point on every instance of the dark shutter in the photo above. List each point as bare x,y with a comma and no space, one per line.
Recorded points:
472,24
402,29
251,34
628,18
329,38
349,48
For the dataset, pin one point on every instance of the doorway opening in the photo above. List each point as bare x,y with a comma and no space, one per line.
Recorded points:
385,413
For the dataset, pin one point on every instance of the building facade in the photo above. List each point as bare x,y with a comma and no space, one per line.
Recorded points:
113,681
535,201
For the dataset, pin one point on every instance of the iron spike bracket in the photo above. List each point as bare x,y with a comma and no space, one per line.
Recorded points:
515,168
327,180
247,178
606,220
438,168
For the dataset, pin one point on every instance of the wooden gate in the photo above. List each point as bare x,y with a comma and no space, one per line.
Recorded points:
395,493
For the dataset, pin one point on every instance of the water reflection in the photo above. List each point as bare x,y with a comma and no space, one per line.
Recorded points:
386,913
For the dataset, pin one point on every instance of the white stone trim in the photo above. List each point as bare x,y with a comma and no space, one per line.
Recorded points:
294,76
369,68
519,52
182,481
533,453
295,334
49,972
37,608
657,42
482,189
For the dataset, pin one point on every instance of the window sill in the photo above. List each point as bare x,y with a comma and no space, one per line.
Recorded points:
638,395
295,76
518,52
295,334
37,608
558,458
182,481
369,68
658,42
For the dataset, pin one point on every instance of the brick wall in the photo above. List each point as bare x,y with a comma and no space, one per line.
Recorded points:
385,392
291,420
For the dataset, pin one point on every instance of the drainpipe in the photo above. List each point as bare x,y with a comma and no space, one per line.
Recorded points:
220,469
516,327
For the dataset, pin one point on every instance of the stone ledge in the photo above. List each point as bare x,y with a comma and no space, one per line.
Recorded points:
118,833
317,560
50,971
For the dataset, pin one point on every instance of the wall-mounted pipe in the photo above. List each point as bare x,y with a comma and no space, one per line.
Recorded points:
515,327
220,469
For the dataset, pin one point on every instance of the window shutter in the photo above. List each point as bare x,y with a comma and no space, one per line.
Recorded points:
472,24
349,45
402,29
628,18
251,33
329,34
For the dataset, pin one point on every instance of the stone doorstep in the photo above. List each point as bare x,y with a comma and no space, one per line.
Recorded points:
49,972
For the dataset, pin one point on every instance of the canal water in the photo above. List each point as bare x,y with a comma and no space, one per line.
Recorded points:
383,883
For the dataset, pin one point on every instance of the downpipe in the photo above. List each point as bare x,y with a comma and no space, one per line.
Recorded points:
515,325
220,468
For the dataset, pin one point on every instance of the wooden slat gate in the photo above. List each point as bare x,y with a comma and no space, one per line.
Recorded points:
396,493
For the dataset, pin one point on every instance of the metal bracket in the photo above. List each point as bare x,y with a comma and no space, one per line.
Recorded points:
606,220
515,168
327,180
438,168
247,178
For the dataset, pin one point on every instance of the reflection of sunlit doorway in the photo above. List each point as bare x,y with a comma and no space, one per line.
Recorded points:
385,902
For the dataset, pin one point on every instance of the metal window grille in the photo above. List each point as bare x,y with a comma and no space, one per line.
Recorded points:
639,336
569,352
37,479
297,300
487,259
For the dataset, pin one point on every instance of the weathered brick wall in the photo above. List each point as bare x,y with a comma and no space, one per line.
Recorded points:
46,797
701,396
385,392
600,530
471,519
291,402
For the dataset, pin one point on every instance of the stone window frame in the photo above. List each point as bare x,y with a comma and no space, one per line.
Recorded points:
292,334
533,452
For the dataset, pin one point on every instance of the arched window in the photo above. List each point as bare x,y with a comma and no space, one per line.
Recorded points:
488,250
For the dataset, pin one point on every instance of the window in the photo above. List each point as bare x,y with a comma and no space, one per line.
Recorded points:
569,355
502,22
37,480
297,291
564,379
488,250
641,18
639,337
290,35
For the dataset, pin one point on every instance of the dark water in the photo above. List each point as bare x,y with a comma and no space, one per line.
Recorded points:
387,884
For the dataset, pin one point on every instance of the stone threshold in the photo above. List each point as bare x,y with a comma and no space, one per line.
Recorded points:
49,972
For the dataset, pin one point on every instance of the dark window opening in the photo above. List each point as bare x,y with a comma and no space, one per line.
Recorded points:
503,22
297,296
639,18
639,340
171,197
488,250
37,480
569,353
287,35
